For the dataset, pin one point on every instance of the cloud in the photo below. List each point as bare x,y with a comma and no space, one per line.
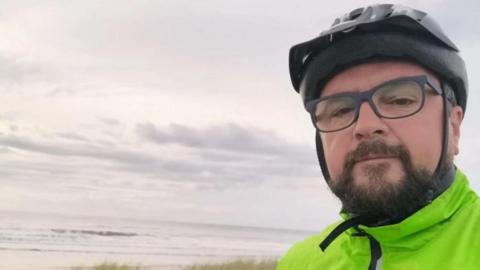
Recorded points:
228,137
9,116
73,136
231,154
13,128
110,121
17,70
86,150
61,91
214,157
4,150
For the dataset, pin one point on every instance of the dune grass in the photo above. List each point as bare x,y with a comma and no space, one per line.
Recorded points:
109,266
236,265
233,265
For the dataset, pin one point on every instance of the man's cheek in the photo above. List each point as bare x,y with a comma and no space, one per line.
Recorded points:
337,164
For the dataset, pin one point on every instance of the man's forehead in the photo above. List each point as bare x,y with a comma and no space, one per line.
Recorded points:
368,75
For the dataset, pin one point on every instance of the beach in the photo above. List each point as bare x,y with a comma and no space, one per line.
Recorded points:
45,241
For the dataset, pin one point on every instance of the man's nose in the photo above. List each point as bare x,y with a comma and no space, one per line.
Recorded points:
368,124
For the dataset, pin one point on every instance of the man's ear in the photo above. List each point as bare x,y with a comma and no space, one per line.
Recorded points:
455,121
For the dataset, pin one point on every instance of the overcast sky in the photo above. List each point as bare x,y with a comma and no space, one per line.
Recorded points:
176,110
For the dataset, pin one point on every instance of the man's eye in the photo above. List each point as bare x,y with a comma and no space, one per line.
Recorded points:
400,101
341,112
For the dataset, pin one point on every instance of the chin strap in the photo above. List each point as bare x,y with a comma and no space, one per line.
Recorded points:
443,182
321,156
444,153
445,175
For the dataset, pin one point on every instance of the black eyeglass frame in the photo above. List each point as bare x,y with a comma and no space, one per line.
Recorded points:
360,97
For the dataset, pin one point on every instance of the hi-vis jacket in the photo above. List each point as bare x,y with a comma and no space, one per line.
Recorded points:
445,234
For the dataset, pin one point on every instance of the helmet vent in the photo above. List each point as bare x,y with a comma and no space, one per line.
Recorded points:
356,13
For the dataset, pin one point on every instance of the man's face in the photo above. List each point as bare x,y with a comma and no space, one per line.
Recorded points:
419,136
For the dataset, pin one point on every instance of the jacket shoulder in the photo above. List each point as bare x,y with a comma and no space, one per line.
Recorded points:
303,253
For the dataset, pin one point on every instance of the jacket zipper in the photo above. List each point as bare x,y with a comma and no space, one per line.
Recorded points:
375,249
376,253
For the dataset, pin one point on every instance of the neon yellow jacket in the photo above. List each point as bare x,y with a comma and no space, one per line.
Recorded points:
442,235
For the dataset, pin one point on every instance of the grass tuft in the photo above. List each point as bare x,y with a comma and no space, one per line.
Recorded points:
109,266
236,265
233,265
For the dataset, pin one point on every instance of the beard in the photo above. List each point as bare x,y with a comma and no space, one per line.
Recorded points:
381,200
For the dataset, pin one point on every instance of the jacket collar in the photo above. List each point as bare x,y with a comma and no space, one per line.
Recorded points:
424,224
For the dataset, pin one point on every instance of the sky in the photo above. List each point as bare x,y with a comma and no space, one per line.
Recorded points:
177,110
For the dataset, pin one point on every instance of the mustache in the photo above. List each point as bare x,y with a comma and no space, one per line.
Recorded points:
374,148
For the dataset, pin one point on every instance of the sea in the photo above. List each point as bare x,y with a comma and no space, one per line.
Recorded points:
53,241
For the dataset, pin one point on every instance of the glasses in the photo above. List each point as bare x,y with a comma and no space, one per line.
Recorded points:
393,99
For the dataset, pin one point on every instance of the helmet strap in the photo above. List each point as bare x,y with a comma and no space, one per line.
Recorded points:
445,175
321,156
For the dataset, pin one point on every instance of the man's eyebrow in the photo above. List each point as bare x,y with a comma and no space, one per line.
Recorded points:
347,92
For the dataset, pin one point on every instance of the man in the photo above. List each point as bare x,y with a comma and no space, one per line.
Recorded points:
387,91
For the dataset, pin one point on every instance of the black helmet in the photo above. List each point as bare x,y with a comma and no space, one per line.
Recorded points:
377,32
